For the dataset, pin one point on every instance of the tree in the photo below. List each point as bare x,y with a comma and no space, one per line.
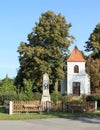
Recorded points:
93,44
7,85
94,72
48,42
28,88
93,60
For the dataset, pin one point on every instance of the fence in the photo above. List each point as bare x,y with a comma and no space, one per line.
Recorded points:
31,106
89,106
37,106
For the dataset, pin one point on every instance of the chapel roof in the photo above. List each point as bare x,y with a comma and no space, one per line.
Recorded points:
76,56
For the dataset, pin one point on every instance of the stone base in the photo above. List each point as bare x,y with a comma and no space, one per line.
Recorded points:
45,98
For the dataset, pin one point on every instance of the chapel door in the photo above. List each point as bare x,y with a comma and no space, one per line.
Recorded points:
76,88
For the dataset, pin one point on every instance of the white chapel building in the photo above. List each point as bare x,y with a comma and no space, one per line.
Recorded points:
77,81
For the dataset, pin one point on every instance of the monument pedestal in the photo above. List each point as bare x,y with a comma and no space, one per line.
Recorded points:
45,98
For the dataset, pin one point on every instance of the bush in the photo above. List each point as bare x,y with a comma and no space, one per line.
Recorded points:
37,96
77,101
23,97
94,97
56,96
19,97
8,96
83,98
90,98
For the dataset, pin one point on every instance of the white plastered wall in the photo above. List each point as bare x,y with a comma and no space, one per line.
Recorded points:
81,77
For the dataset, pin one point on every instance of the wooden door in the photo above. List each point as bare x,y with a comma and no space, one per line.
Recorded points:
76,88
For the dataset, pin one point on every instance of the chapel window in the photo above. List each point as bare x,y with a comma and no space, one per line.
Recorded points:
76,69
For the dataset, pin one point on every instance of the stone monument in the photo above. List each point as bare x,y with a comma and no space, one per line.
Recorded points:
45,94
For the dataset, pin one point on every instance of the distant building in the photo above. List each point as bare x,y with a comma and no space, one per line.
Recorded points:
77,81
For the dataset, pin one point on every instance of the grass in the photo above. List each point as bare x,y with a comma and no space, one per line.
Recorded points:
98,108
23,116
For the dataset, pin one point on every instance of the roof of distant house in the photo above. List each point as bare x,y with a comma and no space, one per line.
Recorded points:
76,56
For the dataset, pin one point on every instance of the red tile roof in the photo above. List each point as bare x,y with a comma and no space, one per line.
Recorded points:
76,56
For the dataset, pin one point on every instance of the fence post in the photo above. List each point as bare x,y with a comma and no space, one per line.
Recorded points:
48,106
10,107
95,105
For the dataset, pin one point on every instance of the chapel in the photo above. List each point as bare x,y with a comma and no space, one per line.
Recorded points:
76,81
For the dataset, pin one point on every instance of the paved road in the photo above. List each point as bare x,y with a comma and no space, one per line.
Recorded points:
52,124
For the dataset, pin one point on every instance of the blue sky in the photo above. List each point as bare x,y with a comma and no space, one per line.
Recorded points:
18,17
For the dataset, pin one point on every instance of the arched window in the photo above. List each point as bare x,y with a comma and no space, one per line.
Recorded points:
76,69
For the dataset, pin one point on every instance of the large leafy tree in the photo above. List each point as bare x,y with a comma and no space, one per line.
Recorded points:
93,60
45,50
93,44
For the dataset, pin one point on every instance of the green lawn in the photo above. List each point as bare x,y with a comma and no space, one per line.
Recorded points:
22,116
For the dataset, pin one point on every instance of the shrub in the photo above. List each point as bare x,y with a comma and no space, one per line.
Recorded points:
56,96
89,98
94,97
37,96
77,101
8,96
19,97
23,97
70,97
83,98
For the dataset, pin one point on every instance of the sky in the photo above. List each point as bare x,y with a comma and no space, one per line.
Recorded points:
18,17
